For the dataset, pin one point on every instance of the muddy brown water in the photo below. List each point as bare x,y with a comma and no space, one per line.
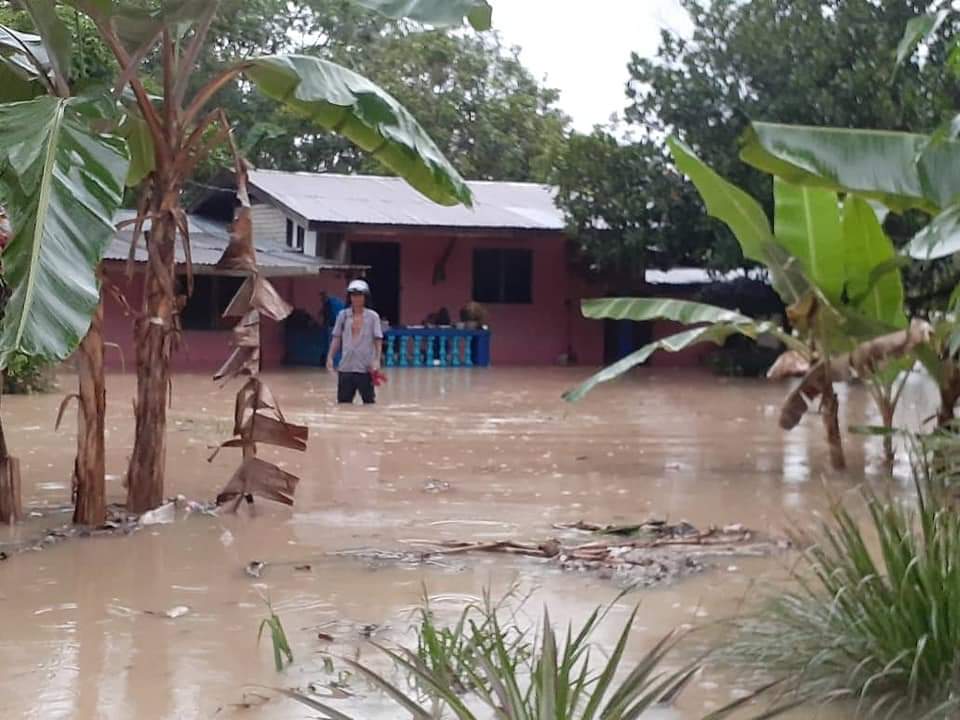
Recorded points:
478,454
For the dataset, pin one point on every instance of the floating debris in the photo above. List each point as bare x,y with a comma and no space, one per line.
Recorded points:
436,486
163,515
646,554
173,613
254,568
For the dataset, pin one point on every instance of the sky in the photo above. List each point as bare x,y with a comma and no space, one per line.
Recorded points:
582,47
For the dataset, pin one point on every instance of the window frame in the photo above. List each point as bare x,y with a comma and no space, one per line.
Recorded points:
503,296
223,288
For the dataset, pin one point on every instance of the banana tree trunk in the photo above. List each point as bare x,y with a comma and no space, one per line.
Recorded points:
90,468
831,424
10,502
155,334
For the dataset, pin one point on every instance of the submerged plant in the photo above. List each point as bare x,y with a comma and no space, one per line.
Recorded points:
281,647
875,616
483,664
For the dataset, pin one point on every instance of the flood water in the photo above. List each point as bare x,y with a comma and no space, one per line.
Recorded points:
475,454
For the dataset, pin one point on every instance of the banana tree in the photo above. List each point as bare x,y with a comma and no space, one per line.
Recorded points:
169,135
903,171
834,268
62,180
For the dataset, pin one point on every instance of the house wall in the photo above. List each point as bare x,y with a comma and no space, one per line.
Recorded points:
530,334
204,350
269,223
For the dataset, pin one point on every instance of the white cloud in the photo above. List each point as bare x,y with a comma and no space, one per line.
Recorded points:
582,47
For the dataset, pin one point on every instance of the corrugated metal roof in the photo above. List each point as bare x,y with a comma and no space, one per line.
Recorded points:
373,200
208,240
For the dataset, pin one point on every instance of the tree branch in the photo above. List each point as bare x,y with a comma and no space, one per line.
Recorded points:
193,52
147,109
128,74
169,107
205,93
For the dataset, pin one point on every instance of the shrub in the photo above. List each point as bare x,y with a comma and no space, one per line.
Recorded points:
26,375
876,616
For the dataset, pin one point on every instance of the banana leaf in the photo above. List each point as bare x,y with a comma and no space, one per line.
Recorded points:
940,238
723,324
439,13
871,269
136,25
746,219
901,170
344,102
133,128
56,38
807,223
23,65
716,334
919,29
62,183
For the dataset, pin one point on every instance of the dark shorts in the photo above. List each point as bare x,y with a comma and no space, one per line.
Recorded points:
351,383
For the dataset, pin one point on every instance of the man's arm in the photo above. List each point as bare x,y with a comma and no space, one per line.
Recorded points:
377,352
334,349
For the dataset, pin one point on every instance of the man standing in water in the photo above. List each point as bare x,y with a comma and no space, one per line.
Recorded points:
358,333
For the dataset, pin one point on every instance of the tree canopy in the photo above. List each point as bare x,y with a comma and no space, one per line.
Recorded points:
488,114
818,62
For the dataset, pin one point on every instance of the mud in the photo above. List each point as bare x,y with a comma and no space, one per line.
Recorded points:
162,624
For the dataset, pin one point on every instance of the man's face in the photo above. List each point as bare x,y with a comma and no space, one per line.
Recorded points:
357,300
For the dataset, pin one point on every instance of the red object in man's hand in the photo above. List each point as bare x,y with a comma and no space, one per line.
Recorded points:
378,378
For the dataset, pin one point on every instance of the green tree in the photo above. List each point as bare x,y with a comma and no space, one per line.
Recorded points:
484,109
628,209
805,61
816,62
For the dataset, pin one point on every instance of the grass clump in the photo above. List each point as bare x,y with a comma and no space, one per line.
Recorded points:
876,616
486,665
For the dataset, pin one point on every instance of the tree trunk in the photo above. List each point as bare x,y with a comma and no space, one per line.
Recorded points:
155,334
831,423
10,502
90,468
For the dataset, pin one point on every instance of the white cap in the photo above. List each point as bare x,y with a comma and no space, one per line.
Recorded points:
358,286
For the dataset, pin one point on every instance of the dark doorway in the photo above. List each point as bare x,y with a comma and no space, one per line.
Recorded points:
383,275
622,337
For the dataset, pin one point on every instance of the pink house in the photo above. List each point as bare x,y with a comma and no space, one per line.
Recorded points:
316,231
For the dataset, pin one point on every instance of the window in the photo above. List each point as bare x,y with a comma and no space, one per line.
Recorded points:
503,276
289,232
301,233
211,296
331,246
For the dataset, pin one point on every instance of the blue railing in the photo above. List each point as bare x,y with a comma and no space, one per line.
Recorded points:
436,347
